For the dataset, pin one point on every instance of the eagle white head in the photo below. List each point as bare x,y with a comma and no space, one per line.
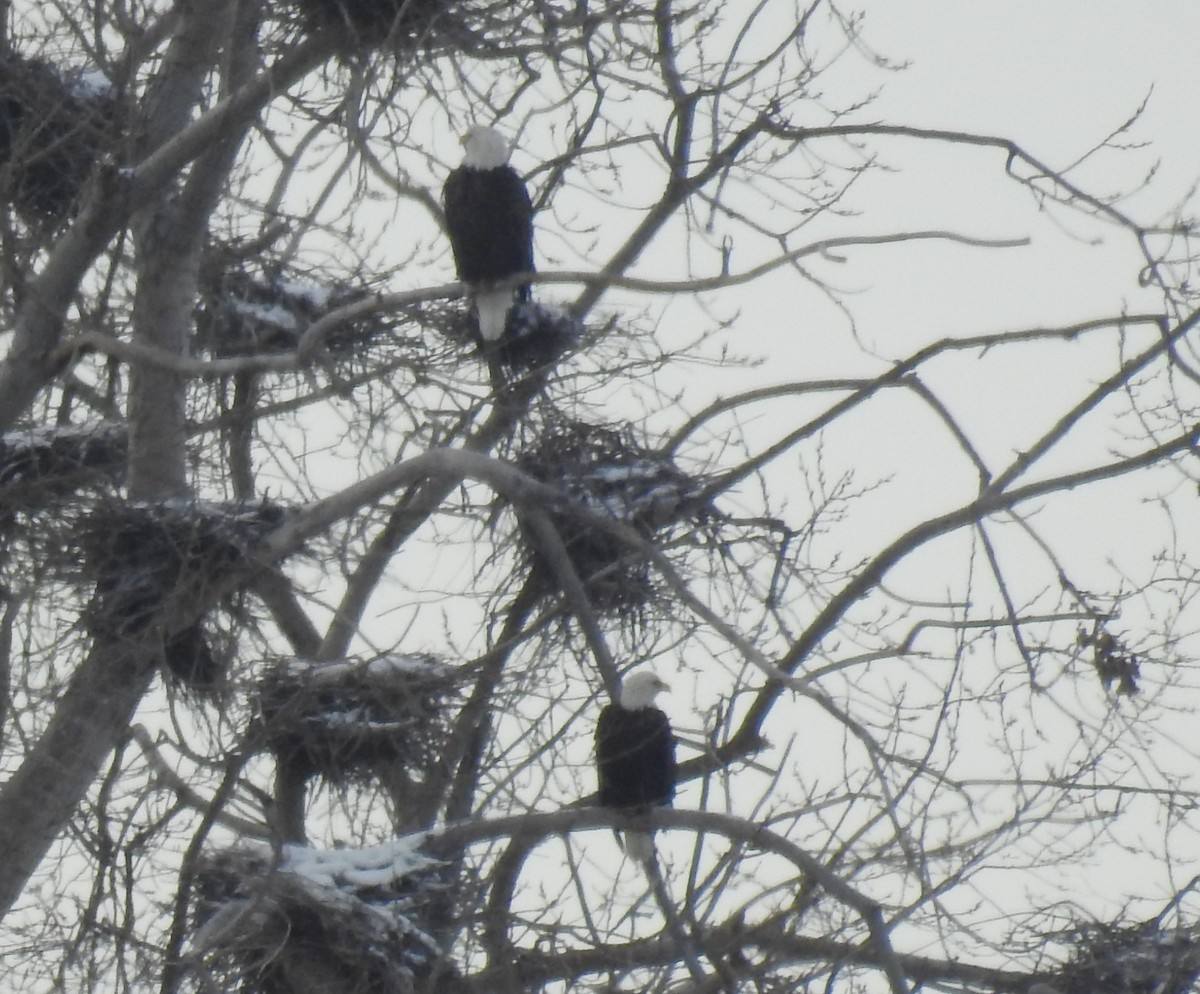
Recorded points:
639,690
485,148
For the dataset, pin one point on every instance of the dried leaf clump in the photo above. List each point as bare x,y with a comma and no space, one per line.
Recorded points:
1113,662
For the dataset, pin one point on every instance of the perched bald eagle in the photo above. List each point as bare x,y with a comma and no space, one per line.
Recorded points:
635,756
489,218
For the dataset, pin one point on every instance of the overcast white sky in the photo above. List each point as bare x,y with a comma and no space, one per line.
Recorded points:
1042,72
1057,78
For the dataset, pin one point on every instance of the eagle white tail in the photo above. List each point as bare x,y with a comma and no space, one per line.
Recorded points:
640,846
492,307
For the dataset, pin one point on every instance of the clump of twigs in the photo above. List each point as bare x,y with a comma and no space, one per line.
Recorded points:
41,465
1113,662
605,471
190,659
353,719
1131,959
414,29
315,920
241,313
53,130
147,561
400,25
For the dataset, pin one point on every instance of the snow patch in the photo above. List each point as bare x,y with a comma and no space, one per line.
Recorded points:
371,866
47,434
92,84
312,294
389,664
272,314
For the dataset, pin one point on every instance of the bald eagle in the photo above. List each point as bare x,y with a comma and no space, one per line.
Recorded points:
489,218
635,756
